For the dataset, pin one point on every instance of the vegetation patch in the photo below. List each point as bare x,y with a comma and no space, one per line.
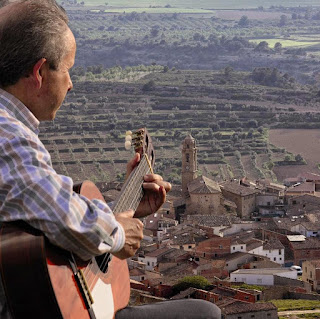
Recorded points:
292,304
286,43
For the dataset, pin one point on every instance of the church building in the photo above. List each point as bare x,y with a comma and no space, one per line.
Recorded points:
201,194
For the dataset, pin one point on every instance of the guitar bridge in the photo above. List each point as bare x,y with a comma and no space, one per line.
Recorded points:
84,289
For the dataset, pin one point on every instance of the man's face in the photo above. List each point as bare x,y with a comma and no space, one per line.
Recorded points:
57,83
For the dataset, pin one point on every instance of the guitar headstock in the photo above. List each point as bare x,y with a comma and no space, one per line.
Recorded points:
142,142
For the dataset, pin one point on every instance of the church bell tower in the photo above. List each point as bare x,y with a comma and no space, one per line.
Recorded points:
189,163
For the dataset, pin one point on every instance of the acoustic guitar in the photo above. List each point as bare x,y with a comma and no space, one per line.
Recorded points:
46,282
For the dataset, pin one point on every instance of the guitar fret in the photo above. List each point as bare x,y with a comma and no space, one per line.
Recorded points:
132,192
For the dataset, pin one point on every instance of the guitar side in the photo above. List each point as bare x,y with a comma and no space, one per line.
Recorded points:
39,281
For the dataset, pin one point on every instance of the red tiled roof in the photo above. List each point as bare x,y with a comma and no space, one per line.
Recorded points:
238,189
243,307
203,185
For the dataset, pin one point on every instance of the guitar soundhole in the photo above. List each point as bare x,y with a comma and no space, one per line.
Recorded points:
103,261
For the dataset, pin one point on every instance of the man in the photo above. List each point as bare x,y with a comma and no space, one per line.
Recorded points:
37,50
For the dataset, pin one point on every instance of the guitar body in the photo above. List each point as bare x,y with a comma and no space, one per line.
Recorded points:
39,281
43,281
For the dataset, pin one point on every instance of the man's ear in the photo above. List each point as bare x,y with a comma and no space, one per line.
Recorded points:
37,72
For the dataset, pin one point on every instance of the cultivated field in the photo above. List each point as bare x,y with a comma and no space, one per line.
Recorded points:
304,142
287,43
207,4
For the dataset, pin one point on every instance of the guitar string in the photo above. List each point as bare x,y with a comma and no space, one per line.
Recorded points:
134,203
106,259
133,183
139,172
90,276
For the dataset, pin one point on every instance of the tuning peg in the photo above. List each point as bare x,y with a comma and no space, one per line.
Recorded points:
128,140
127,145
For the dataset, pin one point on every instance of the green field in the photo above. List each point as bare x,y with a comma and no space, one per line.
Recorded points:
290,304
286,43
205,4
157,10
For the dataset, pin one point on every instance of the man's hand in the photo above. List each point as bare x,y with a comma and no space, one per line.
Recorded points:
155,189
133,229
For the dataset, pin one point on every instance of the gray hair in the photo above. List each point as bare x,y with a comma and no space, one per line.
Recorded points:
30,30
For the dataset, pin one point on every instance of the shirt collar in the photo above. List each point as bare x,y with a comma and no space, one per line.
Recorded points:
18,110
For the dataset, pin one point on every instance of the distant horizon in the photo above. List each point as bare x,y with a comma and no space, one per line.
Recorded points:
205,4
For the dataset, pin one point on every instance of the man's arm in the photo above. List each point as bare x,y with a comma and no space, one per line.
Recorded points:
32,191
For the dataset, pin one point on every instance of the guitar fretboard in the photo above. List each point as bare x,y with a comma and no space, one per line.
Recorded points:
132,192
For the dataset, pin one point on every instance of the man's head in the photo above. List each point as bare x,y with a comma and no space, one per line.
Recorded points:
37,49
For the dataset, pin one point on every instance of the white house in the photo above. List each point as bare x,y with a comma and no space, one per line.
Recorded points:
263,276
273,249
151,259
237,245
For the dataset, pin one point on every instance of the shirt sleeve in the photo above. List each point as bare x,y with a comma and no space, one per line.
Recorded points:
32,191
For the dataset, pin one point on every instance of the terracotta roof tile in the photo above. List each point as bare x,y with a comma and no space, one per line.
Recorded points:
243,307
203,185
238,189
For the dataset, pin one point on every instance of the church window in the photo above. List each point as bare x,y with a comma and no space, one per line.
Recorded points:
187,158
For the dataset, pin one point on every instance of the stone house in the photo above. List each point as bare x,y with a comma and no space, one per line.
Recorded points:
311,273
304,248
214,247
301,188
244,197
205,196
211,269
211,224
196,293
236,309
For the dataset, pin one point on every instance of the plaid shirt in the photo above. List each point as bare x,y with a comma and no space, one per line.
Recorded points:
31,190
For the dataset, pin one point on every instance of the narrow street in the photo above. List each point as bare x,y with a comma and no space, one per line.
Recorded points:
298,312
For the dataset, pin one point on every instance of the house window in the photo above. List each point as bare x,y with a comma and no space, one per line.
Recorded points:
246,298
142,278
241,247
234,248
252,316
148,263
220,246
279,251
274,258
204,254
294,202
189,246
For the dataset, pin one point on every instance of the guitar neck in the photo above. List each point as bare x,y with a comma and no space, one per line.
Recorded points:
132,192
